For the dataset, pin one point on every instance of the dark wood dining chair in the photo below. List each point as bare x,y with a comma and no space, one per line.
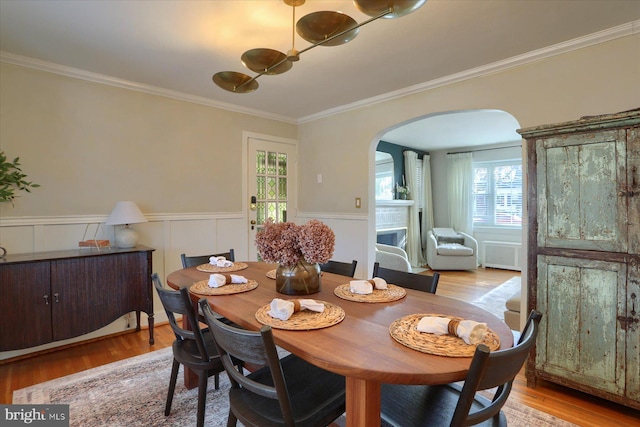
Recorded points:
419,282
338,267
454,405
192,348
195,260
284,392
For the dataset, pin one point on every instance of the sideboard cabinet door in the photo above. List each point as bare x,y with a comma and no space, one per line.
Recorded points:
25,305
106,286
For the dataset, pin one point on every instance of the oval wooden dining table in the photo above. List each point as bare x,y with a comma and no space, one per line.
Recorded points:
360,347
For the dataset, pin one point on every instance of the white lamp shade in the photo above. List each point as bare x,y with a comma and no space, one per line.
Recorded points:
125,213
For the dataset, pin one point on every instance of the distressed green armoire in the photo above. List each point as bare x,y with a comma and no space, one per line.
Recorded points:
583,181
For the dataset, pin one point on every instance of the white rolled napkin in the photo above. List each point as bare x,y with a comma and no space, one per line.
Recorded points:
470,331
365,287
362,287
220,261
379,283
284,309
217,280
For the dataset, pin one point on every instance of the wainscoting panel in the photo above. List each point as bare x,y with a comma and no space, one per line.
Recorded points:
170,235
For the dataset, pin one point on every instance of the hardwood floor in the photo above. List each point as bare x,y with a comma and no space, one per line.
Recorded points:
576,407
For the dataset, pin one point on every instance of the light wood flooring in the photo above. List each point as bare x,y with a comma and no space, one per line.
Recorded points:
576,407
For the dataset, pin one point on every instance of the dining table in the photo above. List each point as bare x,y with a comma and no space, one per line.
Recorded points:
360,346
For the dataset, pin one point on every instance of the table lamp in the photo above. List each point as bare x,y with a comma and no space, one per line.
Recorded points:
125,213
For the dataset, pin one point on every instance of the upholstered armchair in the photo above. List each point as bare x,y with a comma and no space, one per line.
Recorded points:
392,257
448,249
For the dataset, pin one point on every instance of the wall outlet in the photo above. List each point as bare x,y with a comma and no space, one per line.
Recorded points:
358,202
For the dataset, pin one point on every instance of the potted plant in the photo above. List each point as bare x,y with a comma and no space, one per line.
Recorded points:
12,179
403,192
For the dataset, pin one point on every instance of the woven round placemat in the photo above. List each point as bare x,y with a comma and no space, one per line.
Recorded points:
202,288
208,268
392,293
271,274
404,331
303,320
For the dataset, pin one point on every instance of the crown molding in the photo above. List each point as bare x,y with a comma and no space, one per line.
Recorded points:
613,33
89,76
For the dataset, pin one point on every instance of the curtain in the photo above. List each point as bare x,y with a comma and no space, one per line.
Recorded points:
460,191
427,200
414,245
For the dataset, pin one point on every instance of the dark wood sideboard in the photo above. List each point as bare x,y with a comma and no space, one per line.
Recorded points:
56,295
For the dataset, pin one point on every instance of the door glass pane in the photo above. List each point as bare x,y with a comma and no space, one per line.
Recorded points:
271,163
271,188
260,188
282,163
261,213
282,189
272,211
282,211
260,162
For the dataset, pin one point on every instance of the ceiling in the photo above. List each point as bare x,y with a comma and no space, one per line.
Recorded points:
176,46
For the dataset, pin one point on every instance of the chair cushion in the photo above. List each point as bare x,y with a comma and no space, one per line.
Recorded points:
513,303
447,235
454,249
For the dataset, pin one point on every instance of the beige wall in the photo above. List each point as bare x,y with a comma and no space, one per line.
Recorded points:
89,145
595,80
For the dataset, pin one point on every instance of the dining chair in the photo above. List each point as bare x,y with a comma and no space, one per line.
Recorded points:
283,392
195,260
455,405
338,267
191,348
419,282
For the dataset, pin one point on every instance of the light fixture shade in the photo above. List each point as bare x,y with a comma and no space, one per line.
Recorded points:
125,213
399,7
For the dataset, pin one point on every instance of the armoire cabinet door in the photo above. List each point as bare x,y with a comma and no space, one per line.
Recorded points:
581,338
582,200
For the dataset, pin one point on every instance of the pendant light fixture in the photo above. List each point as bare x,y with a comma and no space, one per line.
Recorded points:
324,28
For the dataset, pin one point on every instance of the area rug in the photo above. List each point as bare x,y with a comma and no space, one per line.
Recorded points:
494,300
132,393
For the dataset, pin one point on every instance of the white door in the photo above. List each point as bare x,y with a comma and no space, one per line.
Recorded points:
271,184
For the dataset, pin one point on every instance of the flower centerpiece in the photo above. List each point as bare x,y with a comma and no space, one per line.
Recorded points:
298,250
402,191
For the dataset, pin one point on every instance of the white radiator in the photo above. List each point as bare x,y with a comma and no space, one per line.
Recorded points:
505,255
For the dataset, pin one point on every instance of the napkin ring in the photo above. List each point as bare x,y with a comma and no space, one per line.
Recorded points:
453,327
296,305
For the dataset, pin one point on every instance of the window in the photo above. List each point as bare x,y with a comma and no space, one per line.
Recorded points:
497,193
416,193
384,176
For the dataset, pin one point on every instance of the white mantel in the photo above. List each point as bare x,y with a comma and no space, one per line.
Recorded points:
394,203
393,216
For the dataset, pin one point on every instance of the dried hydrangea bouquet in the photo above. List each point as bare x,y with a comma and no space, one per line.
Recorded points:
298,250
